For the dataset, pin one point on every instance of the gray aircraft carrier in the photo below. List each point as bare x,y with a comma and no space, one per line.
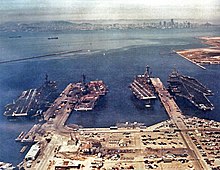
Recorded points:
32,101
190,89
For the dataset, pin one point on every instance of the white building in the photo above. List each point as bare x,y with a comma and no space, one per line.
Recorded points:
33,152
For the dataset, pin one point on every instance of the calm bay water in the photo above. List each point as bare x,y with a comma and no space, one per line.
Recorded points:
113,56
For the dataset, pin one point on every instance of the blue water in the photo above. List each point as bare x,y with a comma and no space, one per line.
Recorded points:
126,54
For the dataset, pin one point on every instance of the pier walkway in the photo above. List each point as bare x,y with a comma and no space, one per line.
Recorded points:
176,116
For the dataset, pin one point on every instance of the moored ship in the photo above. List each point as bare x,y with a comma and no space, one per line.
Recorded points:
6,166
130,125
87,94
141,87
31,101
190,89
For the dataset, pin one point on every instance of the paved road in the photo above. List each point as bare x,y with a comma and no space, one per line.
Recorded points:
169,104
176,116
47,155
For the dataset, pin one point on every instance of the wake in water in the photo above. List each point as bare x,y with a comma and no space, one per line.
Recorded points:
41,56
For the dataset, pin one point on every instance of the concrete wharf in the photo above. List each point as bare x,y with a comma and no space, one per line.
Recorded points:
63,106
57,102
175,115
30,136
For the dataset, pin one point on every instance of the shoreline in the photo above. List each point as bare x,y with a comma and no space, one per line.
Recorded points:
208,55
204,68
128,144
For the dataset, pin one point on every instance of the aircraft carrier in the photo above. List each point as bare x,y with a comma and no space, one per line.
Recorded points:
85,95
33,101
190,89
142,88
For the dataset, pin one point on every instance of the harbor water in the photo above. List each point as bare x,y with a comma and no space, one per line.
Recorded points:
113,56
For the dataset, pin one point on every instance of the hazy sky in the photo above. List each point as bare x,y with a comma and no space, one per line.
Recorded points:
21,10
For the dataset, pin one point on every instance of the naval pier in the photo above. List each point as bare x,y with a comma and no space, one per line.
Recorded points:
176,116
175,143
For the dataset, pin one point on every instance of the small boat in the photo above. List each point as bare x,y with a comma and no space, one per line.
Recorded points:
148,106
23,149
52,38
16,36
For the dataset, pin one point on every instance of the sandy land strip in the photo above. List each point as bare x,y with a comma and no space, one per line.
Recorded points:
178,52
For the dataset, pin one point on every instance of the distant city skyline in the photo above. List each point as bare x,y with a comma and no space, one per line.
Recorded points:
41,10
